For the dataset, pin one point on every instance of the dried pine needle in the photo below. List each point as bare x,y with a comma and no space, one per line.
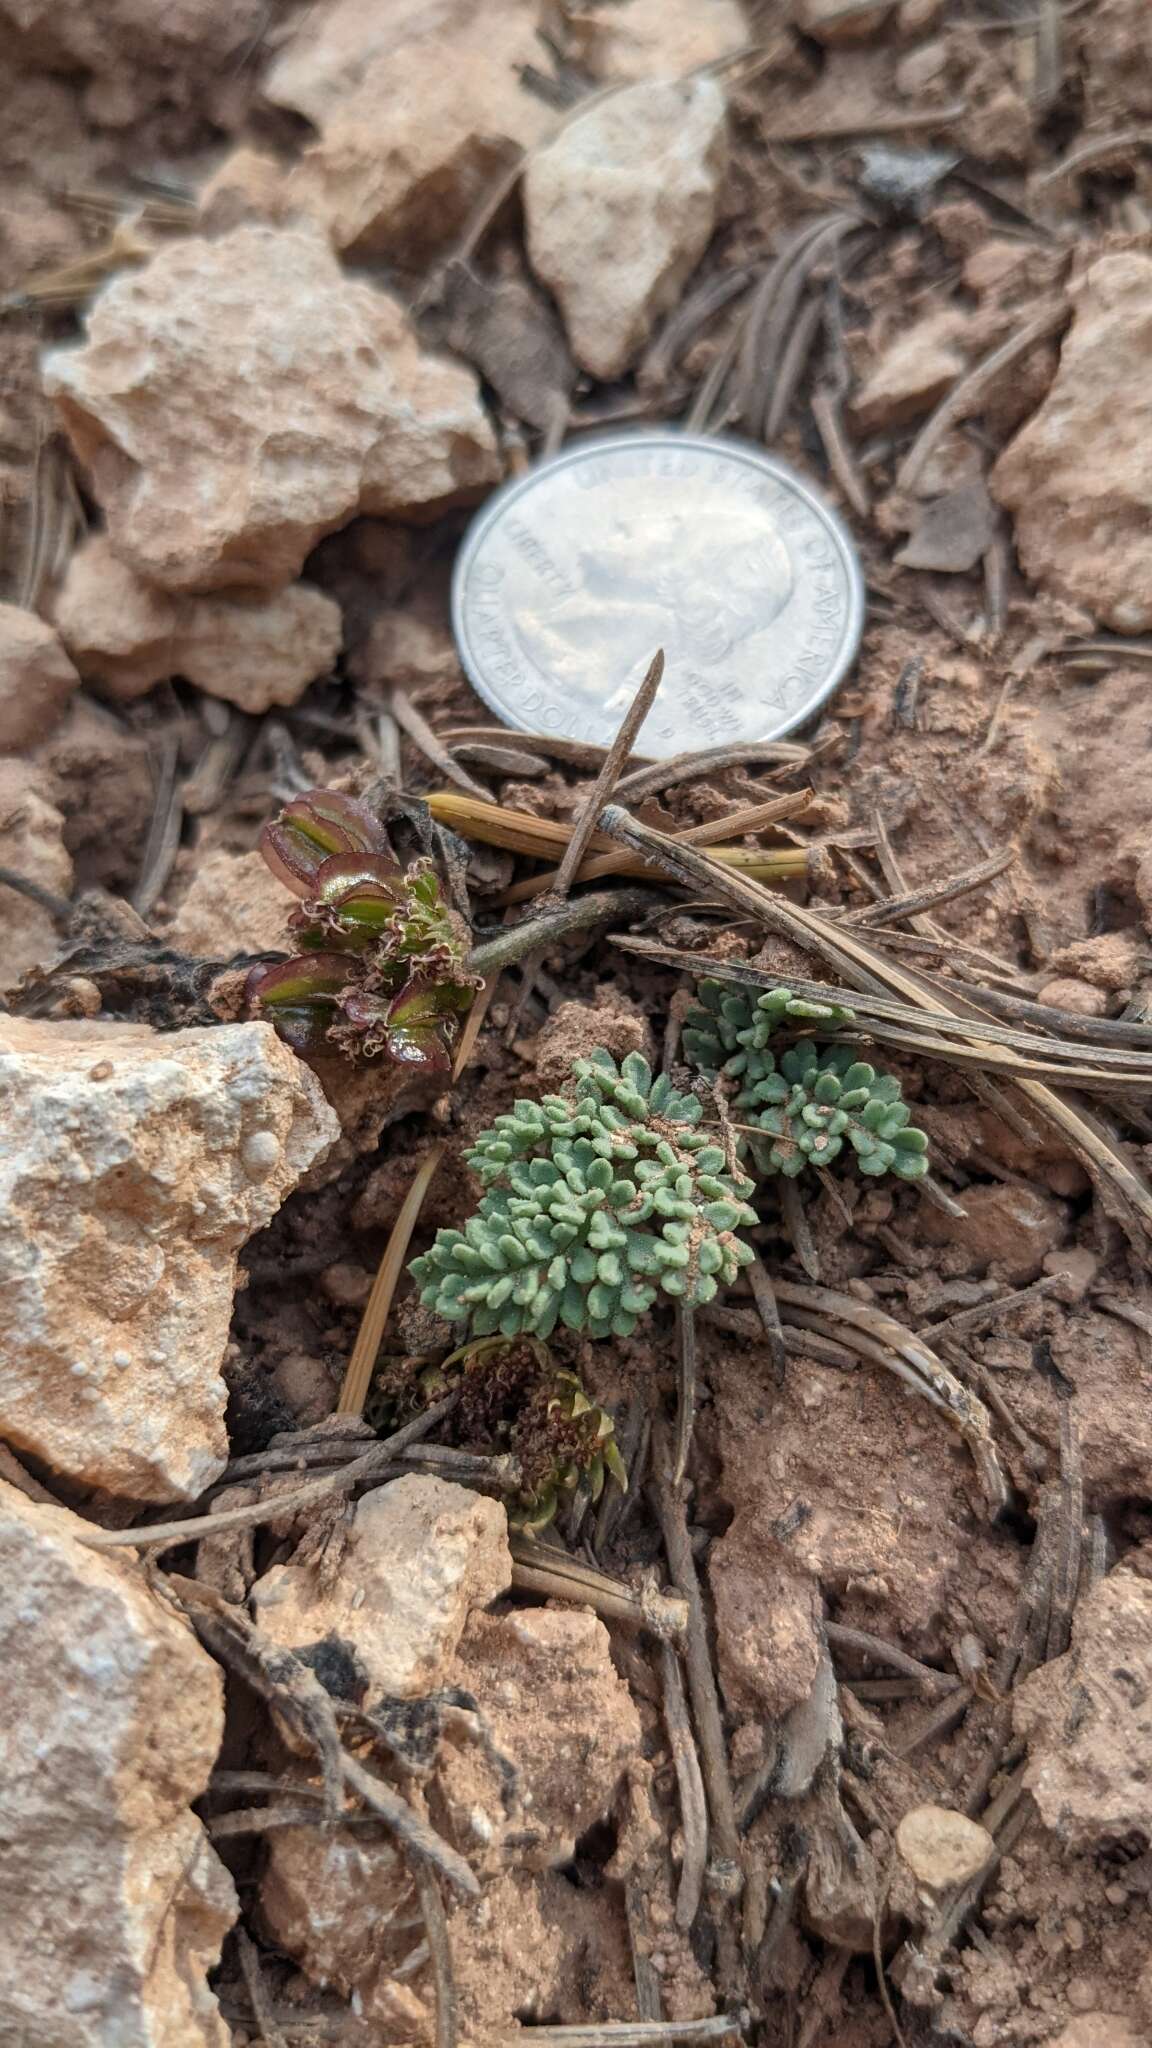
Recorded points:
751,818
545,839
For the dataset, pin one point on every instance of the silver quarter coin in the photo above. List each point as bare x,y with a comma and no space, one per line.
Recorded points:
572,576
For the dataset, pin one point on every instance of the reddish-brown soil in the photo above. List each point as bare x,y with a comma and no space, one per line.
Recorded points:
834,1497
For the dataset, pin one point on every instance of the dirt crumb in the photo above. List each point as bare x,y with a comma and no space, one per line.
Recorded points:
575,1030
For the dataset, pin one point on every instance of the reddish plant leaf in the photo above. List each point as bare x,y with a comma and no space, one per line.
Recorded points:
313,828
421,1021
362,891
431,997
301,997
308,978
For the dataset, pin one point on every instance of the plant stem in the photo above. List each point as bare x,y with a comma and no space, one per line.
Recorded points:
538,933
685,1388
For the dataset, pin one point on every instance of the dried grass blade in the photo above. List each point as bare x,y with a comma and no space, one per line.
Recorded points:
578,753
374,1463
541,1569
1123,1191
164,831
685,1389
414,1832
263,2010
361,1365
915,901
585,825
440,1951
473,1025
706,760
628,2033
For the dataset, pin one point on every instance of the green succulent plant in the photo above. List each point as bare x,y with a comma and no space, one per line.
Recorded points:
728,1029
800,1107
595,1204
381,967
820,1101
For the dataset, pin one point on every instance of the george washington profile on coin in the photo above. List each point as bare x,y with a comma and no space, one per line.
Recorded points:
663,582
573,575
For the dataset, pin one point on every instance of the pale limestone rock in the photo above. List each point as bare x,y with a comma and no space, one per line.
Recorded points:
255,651
575,1030
915,370
1087,1720
422,1553
1099,2030
1075,1270
1067,993
246,186
941,1847
768,1633
343,1905
1005,1229
923,68
423,129
558,1710
835,22
36,678
239,398
100,773
234,904
412,653
258,652
32,844
113,1905
118,629
638,39
366,1098
336,47
133,1167
1077,475
619,209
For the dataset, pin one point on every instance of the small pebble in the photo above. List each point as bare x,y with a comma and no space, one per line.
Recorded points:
942,1848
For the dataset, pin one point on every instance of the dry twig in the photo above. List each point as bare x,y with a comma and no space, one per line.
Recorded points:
262,2008
693,1804
440,1952
551,1572
968,392
372,1464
